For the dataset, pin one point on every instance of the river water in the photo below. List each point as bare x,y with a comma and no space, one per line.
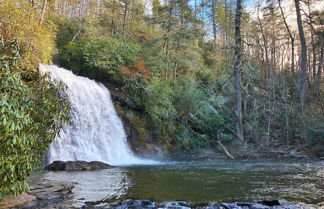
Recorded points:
201,182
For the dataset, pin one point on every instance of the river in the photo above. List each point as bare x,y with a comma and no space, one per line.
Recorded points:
200,182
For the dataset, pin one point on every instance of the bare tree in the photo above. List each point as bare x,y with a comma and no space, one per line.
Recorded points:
303,61
43,12
291,36
213,6
126,8
320,64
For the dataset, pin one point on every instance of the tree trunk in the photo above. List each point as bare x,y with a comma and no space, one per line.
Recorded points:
237,70
41,21
214,23
265,43
292,38
225,30
303,62
113,18
320,64
314,57
225,150
124,17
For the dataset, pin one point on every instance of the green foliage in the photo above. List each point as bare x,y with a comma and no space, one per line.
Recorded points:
17,157
68,30
315,139
168,66
189,112
159,100
31,115
203,114
134,85
102,54
20,18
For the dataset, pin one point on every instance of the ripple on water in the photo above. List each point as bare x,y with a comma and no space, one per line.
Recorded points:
201,182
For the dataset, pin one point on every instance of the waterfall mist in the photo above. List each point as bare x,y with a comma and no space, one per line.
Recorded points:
95,132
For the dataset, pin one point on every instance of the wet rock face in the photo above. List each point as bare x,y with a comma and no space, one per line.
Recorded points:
76,165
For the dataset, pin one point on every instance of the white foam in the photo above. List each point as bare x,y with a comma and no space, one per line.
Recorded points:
96,132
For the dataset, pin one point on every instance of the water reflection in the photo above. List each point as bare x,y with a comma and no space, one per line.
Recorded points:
93,186
201,182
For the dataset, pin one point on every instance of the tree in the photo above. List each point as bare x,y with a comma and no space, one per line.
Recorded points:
31,116
237,70
43,12
291,36
303,61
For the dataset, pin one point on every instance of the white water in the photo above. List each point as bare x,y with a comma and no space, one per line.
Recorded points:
96,132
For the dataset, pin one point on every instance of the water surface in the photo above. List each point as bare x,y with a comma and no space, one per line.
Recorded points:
202,181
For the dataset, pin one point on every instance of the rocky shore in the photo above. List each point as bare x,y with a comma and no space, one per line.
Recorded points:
148,204
58,195
45,194
49,200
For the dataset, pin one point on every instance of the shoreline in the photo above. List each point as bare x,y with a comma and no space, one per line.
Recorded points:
58,193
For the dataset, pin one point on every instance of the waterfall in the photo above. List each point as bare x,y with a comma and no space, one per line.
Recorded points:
95,132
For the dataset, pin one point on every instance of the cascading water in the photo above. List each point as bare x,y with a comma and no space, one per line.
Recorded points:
96,132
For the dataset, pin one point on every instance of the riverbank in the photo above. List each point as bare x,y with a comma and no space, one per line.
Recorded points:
42,194
61,199
59,195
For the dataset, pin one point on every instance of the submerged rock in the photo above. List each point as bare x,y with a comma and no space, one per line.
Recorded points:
175,205
60,203
76,165
136,204
269,202
148,204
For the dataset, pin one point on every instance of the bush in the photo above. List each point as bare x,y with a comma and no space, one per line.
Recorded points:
31,115
187,114
202,114
159,100
315,139
99,54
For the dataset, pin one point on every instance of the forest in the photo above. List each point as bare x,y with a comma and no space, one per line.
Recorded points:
244,77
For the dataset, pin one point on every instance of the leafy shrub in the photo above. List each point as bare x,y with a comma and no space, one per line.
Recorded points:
31,115
159,100
315,139
202,114
104,53
188,113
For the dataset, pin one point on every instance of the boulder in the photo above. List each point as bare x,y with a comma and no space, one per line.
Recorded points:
137,204
269,202
76,165
175,205
296,154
